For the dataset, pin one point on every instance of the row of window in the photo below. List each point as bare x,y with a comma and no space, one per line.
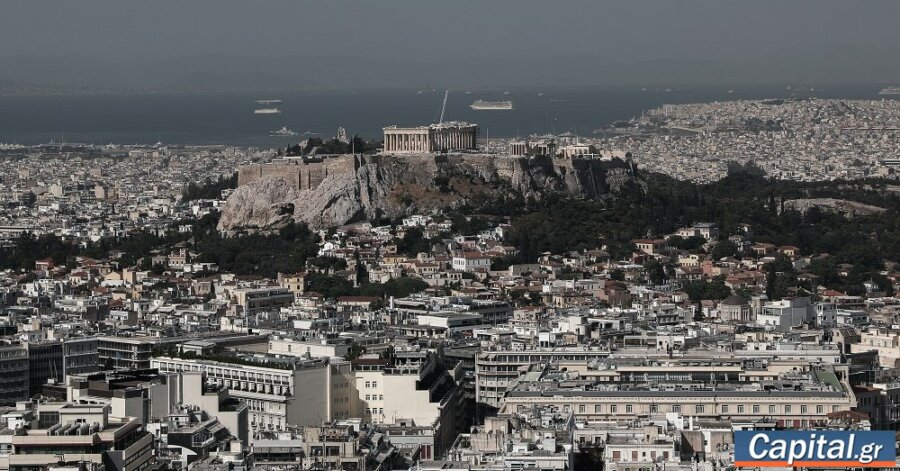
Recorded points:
374,397
701,409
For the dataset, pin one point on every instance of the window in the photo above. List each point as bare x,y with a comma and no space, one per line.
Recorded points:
740,409
724,408
368,384
756,409
629,409
613,409
699,408
834,408
598,409
804,409
820,409
787,409
654,408
771,409
581,409
374,384
368,397
676,408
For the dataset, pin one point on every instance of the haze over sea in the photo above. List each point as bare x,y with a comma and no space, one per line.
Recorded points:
228,118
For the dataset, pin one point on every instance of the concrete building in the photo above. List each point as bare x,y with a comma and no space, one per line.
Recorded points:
735,309
309,347
884,341
415,390
150,396
725,391
442,137
75,436
252,300
471,261
496,370
786,314
14,382
278,391
126,352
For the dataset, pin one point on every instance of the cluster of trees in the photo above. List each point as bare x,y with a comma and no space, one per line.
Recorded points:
27,248
209,188
743,197
334,287
702,290
265,254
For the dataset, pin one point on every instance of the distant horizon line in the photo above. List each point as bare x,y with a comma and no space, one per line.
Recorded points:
675,87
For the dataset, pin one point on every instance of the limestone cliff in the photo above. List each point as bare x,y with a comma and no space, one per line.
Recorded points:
361,188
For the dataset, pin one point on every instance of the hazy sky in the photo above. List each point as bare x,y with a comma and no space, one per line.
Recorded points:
334,43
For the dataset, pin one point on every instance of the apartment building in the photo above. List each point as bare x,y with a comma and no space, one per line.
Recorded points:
278,391
75,436
14,372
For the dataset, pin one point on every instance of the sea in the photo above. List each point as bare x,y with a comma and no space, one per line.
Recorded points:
228,118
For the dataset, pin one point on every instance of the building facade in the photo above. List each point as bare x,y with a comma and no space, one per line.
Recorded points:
443,137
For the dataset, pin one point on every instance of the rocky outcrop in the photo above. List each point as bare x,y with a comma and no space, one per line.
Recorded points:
395,186
844,207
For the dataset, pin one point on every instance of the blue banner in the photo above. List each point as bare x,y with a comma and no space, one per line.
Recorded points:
827,448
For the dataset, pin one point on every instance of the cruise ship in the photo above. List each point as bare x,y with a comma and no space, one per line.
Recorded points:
890,91
491,105
267,111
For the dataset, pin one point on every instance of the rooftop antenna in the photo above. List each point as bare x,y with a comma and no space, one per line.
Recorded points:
444,106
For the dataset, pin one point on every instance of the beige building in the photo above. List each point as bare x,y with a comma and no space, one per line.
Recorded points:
262,299
443,137
50,434
882,340
309,348
416,389
735,309
287,391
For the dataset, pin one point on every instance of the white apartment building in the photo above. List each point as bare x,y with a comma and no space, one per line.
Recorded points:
471,261
296,392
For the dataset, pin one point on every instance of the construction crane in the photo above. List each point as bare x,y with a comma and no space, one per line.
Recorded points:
444,106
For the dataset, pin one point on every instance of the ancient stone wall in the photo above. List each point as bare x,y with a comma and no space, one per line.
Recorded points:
300,175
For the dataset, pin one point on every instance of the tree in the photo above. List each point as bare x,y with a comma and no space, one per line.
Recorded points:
724,248
707,290
655,272
413,242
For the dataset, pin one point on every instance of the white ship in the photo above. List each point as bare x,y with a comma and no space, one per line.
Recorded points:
284,131
268,102
890,91
491,105
267,111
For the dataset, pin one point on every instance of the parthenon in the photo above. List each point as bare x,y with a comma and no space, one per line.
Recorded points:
443,137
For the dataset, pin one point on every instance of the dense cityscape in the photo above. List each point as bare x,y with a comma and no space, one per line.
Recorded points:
449,236
462,338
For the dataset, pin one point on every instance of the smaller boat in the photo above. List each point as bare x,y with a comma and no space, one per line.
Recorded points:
284,131
268,102
267,111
